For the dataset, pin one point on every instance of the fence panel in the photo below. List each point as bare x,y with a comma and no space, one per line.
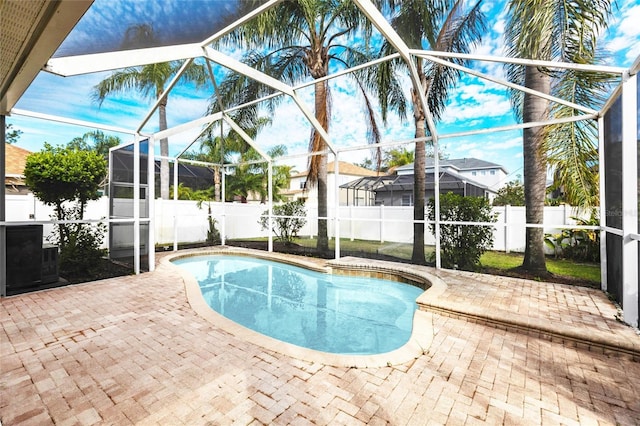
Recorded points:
373,223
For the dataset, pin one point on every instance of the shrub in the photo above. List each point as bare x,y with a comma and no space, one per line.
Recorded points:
80,248
577,244
462,245
289,219
511,194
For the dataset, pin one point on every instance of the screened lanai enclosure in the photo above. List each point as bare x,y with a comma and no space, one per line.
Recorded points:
63,42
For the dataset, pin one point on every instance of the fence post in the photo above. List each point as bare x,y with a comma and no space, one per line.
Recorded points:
507,235
351,222
175,232
381,223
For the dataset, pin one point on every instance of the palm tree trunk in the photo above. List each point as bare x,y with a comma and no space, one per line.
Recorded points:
323,231
417,256
164,152
321,164
535,169
419,176
216,183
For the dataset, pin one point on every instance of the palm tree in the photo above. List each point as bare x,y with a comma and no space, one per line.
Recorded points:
242,182
251,177
398,157
219,149
281,175
292,42
150,80
95,141
560,31
436,25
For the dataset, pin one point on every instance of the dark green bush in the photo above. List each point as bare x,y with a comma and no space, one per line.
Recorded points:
511,194
462,245
83,255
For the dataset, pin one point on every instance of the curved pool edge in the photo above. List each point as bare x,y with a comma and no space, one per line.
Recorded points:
419,342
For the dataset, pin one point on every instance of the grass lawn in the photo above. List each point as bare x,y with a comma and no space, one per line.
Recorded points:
505,261
493,259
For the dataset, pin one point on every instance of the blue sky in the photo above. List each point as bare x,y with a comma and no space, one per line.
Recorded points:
474,104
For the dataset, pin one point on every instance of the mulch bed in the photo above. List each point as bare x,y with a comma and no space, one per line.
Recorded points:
312,252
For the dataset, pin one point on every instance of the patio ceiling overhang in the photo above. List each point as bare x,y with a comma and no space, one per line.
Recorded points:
31,33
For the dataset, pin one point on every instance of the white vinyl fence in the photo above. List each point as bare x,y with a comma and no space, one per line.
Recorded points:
27,208
185,222
393,224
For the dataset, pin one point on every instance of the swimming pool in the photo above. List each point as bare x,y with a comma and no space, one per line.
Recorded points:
324,312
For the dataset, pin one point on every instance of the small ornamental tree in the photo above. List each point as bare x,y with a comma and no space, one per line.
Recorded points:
67,179
288,220
206,196
462,245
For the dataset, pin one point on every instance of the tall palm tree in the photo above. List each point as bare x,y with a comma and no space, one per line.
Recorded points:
294,41
561,31
444,25
150,80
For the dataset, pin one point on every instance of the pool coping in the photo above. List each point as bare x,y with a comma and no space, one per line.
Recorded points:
419,342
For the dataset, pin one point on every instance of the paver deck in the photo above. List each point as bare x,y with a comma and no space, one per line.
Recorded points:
131,350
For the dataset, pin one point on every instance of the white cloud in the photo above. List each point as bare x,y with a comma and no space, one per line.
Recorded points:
623,36
476,102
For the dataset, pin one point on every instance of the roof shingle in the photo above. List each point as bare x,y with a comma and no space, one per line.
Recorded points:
15,160
344,169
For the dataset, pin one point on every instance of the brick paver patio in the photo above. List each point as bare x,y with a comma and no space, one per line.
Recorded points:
132,351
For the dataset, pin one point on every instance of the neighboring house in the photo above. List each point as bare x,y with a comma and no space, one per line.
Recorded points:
347,172
463,176
490,175
15,160
397,189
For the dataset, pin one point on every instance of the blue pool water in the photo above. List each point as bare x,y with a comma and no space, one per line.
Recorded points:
329,313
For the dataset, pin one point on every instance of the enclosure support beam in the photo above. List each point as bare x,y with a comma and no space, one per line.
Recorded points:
3,207
223,196
336,204
151,197
630,201
270,201
136,205
603,207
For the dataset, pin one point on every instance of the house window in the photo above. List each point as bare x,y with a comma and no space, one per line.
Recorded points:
407,200
303,184
493,172
474,173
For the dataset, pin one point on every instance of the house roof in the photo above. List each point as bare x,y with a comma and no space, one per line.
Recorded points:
460,164
15,160
344,168
448,179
